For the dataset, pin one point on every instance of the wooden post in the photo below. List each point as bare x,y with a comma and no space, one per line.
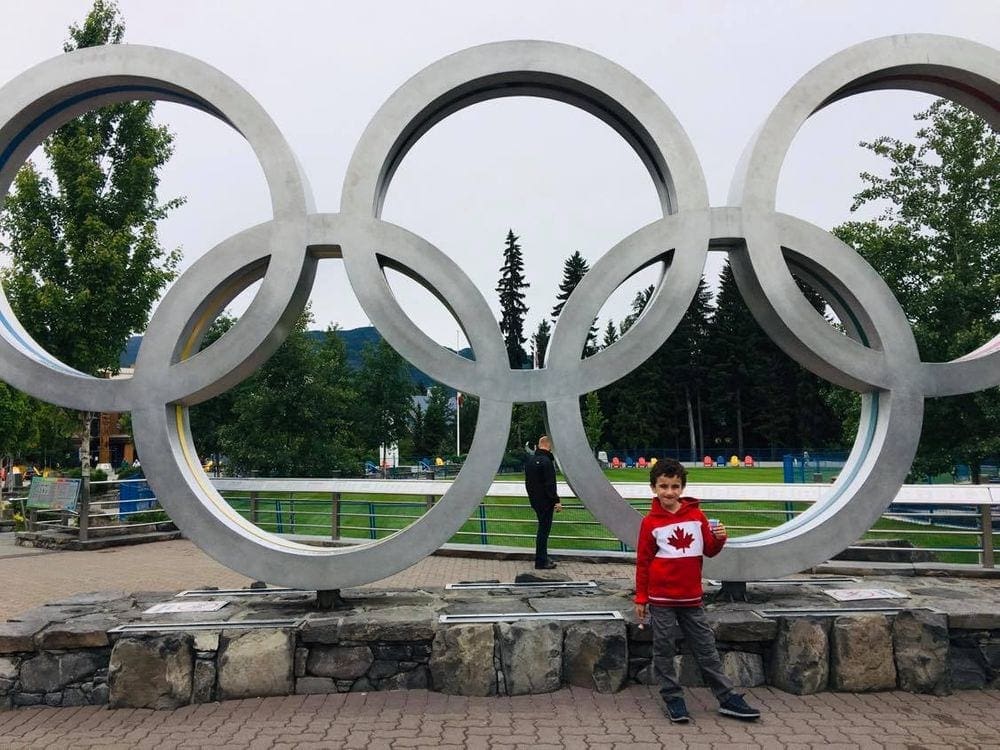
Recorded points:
335,515
987,529
253,507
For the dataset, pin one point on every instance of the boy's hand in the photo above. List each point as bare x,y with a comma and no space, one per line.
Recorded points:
640,613
558,506
719,532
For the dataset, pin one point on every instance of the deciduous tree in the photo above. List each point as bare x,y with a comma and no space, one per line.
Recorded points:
937,245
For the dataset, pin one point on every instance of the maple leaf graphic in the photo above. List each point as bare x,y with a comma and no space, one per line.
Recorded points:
680,539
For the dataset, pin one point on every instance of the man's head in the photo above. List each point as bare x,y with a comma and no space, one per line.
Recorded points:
668,467
545,443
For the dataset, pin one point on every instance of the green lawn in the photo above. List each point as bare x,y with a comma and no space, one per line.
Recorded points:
510,521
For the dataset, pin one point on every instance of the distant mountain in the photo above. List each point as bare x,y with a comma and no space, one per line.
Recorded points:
354,339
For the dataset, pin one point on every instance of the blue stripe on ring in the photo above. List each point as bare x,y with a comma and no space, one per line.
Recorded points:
30,347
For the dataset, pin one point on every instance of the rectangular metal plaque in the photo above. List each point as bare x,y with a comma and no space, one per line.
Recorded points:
209,606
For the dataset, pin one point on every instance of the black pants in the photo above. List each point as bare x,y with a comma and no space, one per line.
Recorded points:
542,535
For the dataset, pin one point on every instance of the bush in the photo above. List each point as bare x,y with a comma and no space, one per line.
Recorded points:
96,475
132,472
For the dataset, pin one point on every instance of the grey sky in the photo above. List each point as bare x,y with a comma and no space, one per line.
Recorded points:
559,178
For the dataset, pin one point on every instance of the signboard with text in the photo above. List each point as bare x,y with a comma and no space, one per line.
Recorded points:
53,493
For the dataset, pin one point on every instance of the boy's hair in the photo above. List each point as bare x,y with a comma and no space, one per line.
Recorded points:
668,467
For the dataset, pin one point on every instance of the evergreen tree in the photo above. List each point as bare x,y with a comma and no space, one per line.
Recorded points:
639,302
759,395
512,307
593,419
937,245
610,334
574,269
540,342
439,422
468,414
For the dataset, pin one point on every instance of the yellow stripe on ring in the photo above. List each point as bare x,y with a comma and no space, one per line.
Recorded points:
187,450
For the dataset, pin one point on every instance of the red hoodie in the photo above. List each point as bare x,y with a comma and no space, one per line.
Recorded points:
669,553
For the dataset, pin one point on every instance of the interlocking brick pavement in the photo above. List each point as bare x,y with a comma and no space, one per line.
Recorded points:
179,565
571,718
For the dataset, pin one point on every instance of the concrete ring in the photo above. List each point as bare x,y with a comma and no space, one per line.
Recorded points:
54,92
960,70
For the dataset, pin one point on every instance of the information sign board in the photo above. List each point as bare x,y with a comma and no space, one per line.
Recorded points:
53,493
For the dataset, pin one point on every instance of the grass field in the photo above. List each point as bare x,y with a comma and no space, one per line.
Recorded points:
509,521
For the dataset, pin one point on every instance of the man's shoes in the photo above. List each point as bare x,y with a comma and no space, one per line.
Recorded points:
735,706
545,566
677,711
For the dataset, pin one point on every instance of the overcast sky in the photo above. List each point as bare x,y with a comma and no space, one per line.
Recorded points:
559,178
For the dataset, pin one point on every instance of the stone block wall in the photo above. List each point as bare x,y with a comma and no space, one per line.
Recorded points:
63,655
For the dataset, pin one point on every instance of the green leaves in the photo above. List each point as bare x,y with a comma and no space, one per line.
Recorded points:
937,245
86,263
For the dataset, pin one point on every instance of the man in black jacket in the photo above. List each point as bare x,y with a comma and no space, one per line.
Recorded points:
540,481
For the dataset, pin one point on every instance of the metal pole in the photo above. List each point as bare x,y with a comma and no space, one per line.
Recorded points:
83,506
986,516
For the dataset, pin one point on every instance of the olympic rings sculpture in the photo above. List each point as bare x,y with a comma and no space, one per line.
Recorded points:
877,357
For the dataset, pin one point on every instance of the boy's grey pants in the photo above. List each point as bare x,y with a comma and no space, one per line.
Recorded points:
694,625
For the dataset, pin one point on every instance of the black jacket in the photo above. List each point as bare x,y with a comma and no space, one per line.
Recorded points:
540,480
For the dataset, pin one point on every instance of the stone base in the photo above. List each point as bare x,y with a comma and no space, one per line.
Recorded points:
63,655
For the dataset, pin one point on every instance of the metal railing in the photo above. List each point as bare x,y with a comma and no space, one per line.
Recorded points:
953,523
109,508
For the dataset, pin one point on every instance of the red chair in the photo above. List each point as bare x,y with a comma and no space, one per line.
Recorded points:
616,463
708,461
748,461
641,463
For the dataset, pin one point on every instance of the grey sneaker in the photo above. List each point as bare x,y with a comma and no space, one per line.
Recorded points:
677,711
734,705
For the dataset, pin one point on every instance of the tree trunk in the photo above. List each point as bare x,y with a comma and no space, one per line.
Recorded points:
690,414
739,423
701,427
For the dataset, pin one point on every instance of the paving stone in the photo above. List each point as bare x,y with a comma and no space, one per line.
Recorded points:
203,681
52,671
530,656
740,626
151,672
861,658
19,636
595,655
315,685
800,655
462,660
920,645
339,662
90,631
254,663
743,668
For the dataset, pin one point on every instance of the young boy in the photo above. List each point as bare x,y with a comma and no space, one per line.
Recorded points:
672,540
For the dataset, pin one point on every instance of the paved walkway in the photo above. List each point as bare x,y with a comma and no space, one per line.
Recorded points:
569,718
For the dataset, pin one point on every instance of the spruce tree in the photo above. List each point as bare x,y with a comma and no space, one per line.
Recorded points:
512,307
540,342
574,269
